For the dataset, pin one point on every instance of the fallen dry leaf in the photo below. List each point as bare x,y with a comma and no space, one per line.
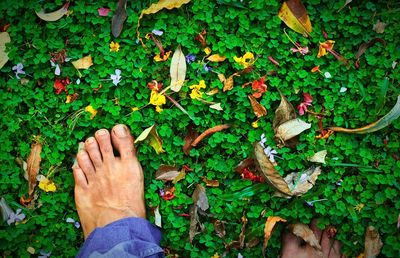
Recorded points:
318,157
294,14
345,4
228,83
194,219
216,58
216,106
364,46
33,164
209,132
381,123
258,109
212,92
301,183
211,183
166,172
53,16
199,197
4,38
157,217
181,176
219,227
156,7
304,232
239,244
379,27
177,70
373,243
290,129
83,63
191,135
152,136
117,22
269,226
284,112
268,170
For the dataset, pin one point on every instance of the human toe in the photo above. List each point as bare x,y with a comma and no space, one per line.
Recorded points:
123,141
79,176
104,141
92,147
85,164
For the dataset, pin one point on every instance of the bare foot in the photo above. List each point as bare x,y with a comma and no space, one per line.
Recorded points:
108,188
293,247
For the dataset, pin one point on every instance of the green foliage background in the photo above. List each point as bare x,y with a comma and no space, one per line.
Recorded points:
233,28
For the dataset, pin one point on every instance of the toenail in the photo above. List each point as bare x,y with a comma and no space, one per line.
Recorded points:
102,132
90,140
121,131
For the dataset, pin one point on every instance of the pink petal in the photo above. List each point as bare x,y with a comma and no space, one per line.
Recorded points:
302,108
307,98
103,11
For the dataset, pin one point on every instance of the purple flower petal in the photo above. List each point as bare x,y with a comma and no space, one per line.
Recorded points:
157,32
190,58
103,11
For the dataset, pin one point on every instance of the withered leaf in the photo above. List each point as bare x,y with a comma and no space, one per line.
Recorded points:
290,129
219,227
216,106
166,172
364,46
258,109
301,183
377,125
83,63
318,157
4,38
211,183
379,27
189,138
216,58
53,16
157,217
269,226
194,218
151,135
284,112
117,22
228,83
244,164
199,197
209,132
303,231
373,243
177,70
295,16
33,164
268,170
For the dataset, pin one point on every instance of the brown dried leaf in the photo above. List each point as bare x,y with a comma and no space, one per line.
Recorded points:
364,46
228,83
166,172
212,92
33,164
301,183
379,27
244,164
189,138
290,129
268,170
219,227
318,157
269,226
199,197
209,132
194,218
211,183
295,16
258,109
117,22
4,38
284,112
303,231
373,243
53,16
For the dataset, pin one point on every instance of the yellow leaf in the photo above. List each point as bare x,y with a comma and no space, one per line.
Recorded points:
295,16
4,38
178,70
156,7
53,16
181,176
216,58
381,123
151,135
83,63
269,226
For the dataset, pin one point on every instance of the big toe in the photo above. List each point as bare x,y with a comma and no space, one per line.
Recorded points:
123,141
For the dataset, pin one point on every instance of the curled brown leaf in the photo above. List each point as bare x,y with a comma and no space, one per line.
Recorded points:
208,132
258,109
33,164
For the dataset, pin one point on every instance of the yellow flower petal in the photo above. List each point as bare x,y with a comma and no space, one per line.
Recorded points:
68,100
246,60
255,124
207,50
91,110
159,109
114,47
135,109
47,185
157,99
157,58
196,93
